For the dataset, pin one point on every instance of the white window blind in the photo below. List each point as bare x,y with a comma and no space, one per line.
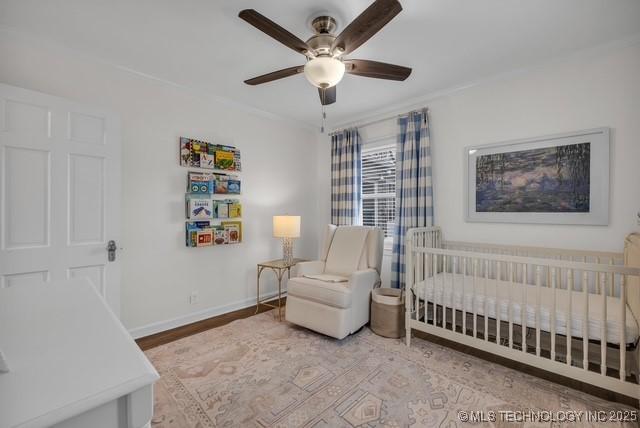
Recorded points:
379,188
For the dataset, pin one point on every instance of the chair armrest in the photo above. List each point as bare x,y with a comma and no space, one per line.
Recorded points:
364,280
361,283
315,267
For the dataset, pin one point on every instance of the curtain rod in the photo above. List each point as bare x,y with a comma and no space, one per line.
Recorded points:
373,122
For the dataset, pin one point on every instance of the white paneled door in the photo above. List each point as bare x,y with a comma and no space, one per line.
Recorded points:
59,192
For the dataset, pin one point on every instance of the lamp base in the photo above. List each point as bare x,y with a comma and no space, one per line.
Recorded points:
287,249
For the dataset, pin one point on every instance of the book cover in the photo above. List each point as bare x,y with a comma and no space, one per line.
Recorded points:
233,186
236,160
201,154
200,183
224,160
199,208
233,232
221,237
207,161
204,238
222,186
185,152
233,226
235,210
222,209
192,228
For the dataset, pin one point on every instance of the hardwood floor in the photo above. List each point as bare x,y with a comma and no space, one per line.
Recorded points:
200,326
161,338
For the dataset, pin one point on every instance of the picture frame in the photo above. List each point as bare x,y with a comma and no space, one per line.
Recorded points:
553,179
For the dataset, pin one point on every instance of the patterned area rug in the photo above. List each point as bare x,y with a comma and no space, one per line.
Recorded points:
258,372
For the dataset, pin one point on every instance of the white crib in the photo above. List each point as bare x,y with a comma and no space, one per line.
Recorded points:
574,313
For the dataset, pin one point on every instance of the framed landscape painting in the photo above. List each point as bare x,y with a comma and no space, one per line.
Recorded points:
557,179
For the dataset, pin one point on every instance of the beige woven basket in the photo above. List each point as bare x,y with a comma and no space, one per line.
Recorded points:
387,312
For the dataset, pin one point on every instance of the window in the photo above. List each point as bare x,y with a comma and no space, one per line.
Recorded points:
379,188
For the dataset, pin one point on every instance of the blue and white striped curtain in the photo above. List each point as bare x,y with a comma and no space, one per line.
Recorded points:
346,177
414,194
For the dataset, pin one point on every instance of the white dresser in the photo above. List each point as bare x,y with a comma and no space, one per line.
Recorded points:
72,363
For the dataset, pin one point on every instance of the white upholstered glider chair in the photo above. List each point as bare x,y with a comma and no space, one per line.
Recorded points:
332,295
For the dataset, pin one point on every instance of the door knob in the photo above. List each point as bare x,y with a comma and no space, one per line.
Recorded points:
111,250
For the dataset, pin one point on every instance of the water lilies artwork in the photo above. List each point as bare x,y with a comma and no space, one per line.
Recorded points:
543,180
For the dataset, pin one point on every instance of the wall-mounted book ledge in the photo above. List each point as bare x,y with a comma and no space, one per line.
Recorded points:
212,208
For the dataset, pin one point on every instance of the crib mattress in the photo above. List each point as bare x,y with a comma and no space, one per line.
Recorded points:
507,291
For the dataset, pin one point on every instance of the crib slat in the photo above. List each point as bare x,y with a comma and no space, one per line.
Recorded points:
523,309
454,266
623,328
464,300
419,279
435,294
473,298
585,323
538,285
569,326
510,307
422,271
552,276
485,301
603,331
611,279
497,304
598,286
426,266
444,299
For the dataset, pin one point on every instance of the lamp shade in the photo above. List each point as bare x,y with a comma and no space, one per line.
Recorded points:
286,226
324,71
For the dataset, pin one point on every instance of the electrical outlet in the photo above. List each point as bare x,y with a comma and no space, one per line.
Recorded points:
193,298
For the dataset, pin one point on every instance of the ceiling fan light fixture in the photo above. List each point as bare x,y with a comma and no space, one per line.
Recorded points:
324,71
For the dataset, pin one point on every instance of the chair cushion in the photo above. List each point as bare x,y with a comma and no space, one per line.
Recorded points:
329,293
346,250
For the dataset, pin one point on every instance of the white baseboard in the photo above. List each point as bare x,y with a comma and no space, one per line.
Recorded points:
160,326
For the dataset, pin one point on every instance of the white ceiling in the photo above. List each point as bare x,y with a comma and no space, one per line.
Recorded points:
204,45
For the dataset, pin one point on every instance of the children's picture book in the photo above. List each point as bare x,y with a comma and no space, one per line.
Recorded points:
233,186
221,237
199,208
204,238
236,159
192,229
200,183
222,186
225,160
235,210
234,231
222,209
207,161
201,154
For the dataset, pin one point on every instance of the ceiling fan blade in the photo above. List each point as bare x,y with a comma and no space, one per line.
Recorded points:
366,25
327,96
275,75
272,29
377,70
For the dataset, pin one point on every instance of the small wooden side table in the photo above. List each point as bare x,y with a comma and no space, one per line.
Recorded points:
279,267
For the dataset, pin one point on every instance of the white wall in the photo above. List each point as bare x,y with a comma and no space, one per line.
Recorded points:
587,91
159,273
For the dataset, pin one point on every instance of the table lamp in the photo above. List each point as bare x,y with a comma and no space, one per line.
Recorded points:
286,227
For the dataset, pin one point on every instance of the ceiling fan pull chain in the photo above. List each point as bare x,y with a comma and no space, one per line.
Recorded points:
324,116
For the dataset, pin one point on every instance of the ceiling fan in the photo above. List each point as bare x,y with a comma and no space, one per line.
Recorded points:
325,51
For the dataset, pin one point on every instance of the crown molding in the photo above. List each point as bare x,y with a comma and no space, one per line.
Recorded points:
352,120
209,95
388,112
